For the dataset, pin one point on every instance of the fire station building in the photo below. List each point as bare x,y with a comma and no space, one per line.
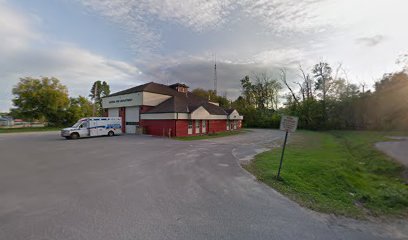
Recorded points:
169,110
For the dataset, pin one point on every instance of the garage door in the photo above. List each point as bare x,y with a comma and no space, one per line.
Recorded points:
113,112
132,119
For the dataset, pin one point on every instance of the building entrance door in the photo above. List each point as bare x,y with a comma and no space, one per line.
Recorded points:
132,118
203,126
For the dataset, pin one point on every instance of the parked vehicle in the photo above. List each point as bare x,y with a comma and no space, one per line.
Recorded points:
94,126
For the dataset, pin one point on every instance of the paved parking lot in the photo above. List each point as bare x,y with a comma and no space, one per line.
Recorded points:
142,187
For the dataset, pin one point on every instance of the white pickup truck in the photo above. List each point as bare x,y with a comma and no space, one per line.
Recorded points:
94,126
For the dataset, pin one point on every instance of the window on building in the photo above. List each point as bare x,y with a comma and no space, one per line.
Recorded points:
204,123
197,123
190,124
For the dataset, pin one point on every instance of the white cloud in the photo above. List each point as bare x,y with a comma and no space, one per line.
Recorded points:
14,30
138,17
286,16
25,52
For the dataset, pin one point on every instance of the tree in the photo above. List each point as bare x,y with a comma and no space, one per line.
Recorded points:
40,99
322,73
98,91
211,96
78,108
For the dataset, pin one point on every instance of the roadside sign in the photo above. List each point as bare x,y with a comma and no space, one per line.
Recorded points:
289,123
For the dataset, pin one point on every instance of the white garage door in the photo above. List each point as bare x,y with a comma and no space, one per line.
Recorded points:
132,118
113,112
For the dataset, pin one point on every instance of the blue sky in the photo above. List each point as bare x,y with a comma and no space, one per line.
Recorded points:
128,42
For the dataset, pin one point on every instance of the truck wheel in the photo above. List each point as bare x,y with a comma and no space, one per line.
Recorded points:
74,136
111,133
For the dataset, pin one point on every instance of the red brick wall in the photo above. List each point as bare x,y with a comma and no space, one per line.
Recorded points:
217,126
156,127
122,114
179,128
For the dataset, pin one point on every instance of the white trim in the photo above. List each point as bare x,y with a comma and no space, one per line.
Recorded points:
183,116
202,113
180,116
158,116
235,116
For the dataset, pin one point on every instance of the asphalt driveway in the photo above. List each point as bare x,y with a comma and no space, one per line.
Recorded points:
396,149
142,187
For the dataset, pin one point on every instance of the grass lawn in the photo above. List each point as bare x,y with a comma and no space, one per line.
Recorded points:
28,129
336,172
214,135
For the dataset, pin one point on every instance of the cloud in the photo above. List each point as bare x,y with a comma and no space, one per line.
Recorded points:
141,18
14,30
25,52
286,16
371,41
198,71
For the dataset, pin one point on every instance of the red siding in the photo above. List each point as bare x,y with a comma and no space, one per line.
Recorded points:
122,114
179,128
217,126
158,127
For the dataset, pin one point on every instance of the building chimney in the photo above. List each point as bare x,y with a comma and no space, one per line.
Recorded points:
179,87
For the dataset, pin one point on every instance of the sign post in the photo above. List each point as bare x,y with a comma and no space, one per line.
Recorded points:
289,125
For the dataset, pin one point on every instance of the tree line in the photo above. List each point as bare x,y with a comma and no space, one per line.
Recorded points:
323,100
45,99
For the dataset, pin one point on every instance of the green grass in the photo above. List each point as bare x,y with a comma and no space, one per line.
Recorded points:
28,129
337,172
212,135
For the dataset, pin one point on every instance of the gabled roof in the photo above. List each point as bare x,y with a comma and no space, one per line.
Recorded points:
180,102
148,87
186,103
230,110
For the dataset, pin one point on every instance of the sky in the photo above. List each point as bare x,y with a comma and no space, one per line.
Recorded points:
130,42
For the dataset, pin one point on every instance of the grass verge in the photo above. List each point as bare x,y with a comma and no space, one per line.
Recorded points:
337,172
28,129
212,135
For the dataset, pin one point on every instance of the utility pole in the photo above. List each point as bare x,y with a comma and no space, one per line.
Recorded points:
215,74
95,96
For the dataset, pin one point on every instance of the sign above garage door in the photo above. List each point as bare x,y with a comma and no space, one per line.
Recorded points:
126,100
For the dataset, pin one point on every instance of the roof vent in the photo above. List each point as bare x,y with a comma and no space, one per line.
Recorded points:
179,87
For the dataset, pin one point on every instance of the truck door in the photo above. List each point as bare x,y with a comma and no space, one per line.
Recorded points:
84,130
93,128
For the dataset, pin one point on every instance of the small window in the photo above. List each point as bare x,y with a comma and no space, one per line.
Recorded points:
197,123
204,123
84,125
190,124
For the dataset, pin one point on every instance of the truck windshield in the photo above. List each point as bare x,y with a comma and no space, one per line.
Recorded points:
76,125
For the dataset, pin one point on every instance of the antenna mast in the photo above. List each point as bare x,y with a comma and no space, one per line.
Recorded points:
215,74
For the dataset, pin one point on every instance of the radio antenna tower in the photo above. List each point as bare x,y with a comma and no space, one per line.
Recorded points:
215,74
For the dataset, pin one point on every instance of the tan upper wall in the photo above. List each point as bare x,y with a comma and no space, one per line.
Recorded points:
134,99
153,99
202,113
126,100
